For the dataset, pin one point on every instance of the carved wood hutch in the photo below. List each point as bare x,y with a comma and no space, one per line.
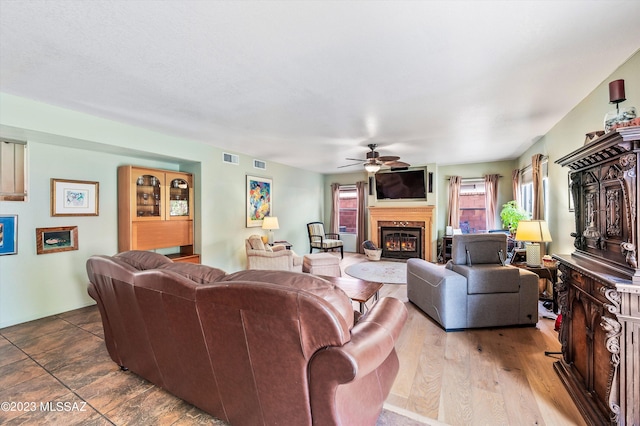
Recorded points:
599,285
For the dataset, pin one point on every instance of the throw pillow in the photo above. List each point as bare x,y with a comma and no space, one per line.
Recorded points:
256,242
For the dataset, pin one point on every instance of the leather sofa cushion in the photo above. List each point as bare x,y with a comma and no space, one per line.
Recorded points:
201,274
307,282
484,279
143,260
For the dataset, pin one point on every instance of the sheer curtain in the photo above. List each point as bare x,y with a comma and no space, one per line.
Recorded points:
361,230
515,183
454,201
335,208
538,189
491,199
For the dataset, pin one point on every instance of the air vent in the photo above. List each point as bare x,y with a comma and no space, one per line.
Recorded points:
259,164
230,158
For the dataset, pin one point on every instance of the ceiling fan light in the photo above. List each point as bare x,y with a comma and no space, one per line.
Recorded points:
371,167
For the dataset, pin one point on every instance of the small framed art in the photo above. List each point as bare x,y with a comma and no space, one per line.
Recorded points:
259,200
54,240
8,234
74,198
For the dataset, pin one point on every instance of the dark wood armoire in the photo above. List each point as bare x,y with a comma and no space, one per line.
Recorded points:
599,284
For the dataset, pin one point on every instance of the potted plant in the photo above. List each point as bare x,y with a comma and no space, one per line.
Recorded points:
511,215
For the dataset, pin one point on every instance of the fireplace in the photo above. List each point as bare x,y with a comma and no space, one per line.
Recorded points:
401,219
401,242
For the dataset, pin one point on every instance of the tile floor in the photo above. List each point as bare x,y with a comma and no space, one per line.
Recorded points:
56,370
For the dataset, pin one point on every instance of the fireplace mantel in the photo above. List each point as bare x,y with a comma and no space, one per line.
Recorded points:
401,215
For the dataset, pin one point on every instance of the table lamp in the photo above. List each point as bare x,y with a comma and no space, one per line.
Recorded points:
270,223
533,232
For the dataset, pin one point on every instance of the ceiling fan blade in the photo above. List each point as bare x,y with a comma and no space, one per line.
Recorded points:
396,164
349,165
356,159
388,158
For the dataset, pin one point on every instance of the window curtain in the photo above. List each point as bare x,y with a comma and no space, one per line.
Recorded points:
361,230
335,208
491,199
454,201
515,182
538,189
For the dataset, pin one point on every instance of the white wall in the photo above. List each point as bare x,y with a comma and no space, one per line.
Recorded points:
70,145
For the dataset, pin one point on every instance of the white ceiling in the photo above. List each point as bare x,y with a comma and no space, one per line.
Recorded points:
308,83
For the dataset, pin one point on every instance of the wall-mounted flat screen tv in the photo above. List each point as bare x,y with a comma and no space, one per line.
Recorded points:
401,185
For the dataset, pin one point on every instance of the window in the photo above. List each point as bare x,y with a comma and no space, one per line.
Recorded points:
13,171
473,210
526,188
348,209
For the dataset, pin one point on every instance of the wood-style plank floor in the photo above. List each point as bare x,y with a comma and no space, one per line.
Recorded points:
479,377
497,376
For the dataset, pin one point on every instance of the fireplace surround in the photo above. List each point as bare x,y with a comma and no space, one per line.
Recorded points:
402,219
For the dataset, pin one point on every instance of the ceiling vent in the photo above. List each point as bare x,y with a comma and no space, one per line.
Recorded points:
230,158
259,164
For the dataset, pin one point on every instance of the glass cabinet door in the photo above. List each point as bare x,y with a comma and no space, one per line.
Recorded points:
179,198
149,196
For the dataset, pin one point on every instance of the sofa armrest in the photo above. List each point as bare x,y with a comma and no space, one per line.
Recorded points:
373,339
270,254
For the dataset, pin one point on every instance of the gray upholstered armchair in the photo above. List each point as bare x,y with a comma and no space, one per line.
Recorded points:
278,258
474,289
321,240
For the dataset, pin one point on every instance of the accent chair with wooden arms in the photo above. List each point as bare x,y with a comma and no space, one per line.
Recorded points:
318,239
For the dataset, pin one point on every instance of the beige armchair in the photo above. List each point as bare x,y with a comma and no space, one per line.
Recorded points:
261,256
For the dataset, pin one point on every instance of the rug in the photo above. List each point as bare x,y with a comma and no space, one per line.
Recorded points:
382,272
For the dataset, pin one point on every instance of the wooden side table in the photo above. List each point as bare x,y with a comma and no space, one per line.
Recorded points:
550,273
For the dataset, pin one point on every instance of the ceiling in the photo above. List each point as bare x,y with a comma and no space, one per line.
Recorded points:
309,83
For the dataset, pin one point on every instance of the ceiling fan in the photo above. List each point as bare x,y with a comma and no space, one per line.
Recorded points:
374,161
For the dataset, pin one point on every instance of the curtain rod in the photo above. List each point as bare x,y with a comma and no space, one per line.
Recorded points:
472,178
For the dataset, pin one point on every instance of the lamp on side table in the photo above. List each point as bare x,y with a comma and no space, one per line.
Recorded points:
533,232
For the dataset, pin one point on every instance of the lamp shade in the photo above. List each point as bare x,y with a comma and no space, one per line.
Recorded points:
270,222
535,231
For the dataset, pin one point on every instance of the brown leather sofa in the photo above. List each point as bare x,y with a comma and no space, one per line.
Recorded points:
252,347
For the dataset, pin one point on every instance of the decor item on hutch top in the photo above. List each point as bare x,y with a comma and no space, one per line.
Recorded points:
259,200
620,117
270,223
599,283
534,232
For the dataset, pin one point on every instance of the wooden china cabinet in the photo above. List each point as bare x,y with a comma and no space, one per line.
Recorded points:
155,211
599,283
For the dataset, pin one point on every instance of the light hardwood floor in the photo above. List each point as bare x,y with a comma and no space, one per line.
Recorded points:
497,376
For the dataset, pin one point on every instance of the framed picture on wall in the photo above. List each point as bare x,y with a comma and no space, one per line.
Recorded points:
54,240
8,234
259,200
74,198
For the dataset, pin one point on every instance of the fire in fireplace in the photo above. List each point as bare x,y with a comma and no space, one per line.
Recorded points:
401,243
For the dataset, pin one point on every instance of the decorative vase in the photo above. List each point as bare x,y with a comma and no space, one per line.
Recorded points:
610,119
